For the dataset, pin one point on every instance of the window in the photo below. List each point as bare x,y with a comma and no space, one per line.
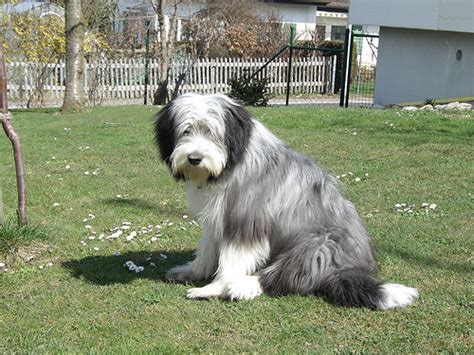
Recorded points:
320,33
338,33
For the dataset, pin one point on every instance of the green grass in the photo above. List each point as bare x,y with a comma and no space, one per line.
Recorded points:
86,301
14,237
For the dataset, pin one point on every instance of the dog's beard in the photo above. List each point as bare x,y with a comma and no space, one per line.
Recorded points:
212,164
196,174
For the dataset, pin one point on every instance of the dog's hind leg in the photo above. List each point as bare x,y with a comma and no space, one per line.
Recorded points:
326,261
235,277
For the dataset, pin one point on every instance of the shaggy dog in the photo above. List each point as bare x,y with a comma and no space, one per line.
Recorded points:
272,220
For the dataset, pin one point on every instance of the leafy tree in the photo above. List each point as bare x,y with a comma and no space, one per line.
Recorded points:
38,41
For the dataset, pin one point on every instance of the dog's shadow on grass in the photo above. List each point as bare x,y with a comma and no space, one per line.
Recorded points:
109,270
426,261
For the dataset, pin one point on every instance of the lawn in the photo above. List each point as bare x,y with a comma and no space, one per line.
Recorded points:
88,173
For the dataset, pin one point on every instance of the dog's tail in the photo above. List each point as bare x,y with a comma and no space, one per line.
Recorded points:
324,262
357,288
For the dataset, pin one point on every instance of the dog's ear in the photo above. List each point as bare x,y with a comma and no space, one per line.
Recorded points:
238,129
165,132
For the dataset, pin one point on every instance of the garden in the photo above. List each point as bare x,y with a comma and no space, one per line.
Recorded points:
106,220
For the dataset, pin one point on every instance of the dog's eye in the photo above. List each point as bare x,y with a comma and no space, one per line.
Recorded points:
187,132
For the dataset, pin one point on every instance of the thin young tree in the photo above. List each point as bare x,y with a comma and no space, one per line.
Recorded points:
74,95
5,120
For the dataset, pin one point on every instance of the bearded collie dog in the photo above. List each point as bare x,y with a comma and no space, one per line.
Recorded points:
272,220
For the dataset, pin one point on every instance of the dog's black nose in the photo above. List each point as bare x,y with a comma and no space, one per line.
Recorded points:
195,158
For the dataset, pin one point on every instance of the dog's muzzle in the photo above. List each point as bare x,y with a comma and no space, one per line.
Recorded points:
195,158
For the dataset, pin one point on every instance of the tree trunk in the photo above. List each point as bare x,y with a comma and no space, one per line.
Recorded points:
164,55
167,48
20,172
3,84
3,110
160,97
15,139
1,208
74,95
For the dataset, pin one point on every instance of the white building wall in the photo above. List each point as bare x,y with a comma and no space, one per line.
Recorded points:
368,53
303,16
443,15
418,64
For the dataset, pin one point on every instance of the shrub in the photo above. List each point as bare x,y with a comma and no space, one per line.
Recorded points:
252,92
430,101
340,58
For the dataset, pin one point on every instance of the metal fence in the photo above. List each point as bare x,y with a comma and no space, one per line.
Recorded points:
360,69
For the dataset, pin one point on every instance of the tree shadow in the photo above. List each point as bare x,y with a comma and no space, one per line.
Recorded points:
47,110
430,262
108,270
168,209
130,202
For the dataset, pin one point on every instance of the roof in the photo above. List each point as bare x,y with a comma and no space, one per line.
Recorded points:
336,6
300,2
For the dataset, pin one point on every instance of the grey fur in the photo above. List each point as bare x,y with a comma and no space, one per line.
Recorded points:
318,235
275,196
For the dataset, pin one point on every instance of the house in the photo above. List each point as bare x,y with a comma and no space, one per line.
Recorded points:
426,48
134,15
331,20
301,13
331,24
37,8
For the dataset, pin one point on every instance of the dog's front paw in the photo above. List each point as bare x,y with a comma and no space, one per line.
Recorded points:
213,290
181,274
246,288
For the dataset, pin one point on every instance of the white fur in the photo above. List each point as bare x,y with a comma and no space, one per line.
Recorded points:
199,129
234,278
244,288
396,295
233,266
214,157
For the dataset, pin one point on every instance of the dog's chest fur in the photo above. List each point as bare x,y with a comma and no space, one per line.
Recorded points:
207,205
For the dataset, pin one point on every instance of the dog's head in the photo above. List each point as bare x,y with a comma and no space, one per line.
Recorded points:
201,137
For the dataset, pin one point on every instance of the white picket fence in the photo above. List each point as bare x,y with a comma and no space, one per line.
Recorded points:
125,78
